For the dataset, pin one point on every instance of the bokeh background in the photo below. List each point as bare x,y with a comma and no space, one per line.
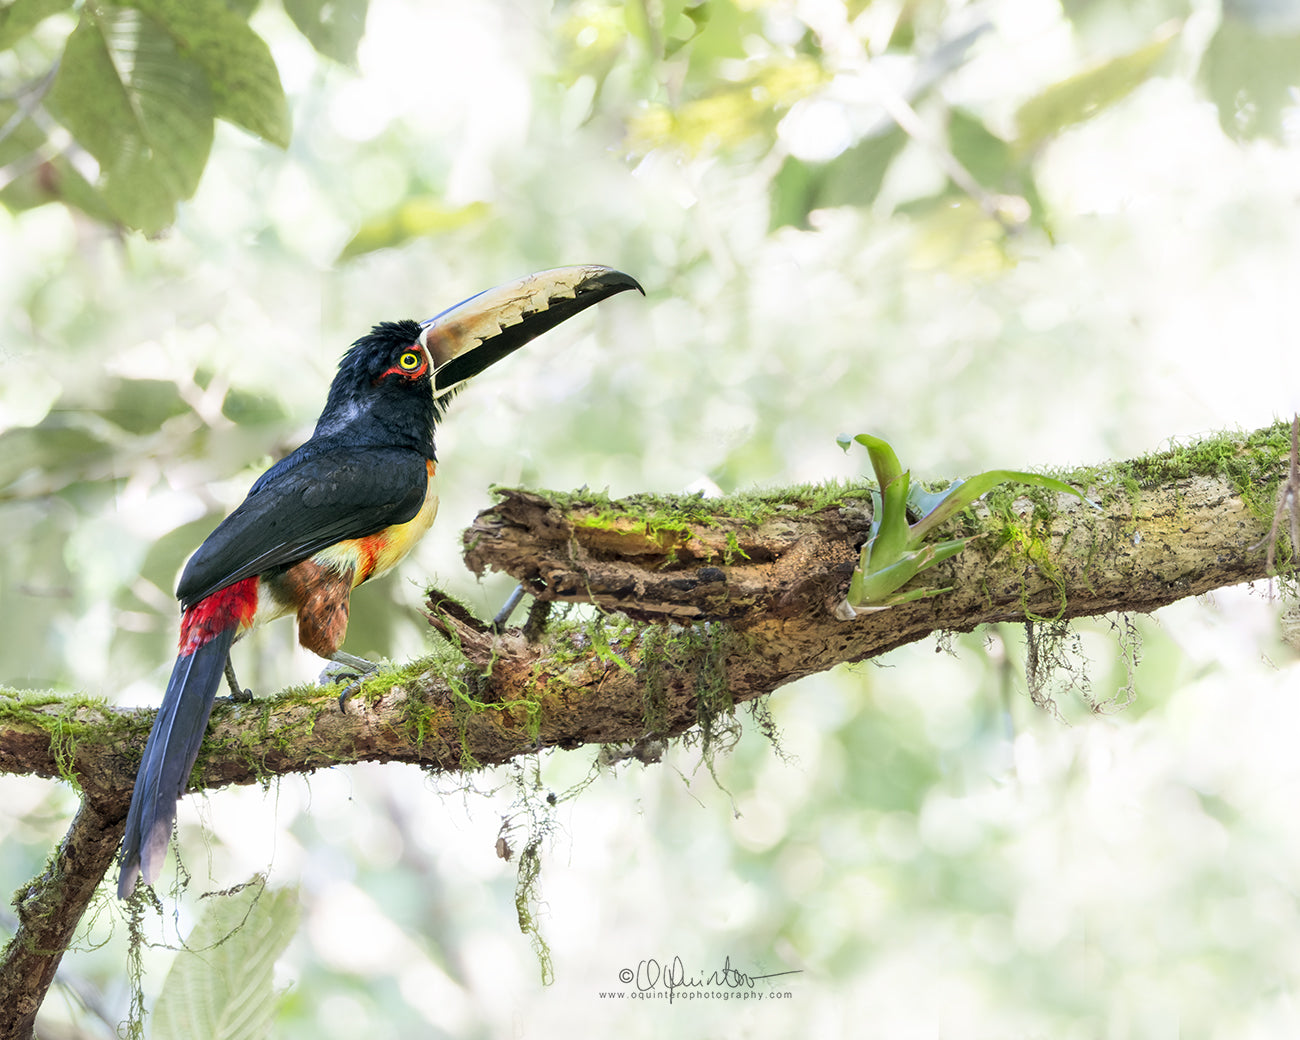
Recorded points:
934,855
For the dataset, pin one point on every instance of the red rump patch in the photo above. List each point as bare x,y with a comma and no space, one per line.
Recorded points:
234,605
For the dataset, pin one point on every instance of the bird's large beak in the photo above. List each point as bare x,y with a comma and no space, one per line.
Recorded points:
465,339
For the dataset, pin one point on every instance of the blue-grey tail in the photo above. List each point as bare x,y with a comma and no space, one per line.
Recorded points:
169,756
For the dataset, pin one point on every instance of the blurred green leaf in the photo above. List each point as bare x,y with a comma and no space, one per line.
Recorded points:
1107,19
1083,95
162,563
249,407
415,218
38,180
55,181
727,114
717,30
334,27
954,232
852,178
1251,75
56,449
142,405
241,73
694,20
23,136
988,158
141,108
794,192
137,86
220,983
20,17
593,41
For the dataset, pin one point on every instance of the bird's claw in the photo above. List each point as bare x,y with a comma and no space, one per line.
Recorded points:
346,666
337,673
347,693
238,694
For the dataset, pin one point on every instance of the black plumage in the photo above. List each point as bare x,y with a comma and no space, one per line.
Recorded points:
348,504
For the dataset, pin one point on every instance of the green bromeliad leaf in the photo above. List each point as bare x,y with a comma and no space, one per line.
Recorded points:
896,551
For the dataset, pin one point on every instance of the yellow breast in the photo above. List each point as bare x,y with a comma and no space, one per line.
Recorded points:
378,553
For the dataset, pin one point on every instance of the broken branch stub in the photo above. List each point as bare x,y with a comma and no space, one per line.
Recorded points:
705,568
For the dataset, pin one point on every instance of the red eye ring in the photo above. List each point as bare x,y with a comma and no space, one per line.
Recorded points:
410,363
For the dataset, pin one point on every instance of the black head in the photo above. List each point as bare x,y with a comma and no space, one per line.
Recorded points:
383,392
391,384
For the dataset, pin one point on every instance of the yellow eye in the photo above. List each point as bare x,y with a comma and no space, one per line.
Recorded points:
410,361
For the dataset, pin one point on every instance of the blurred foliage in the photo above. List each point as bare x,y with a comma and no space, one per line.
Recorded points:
139,84
1016,233
1085,94
333,27
1250,69
220,984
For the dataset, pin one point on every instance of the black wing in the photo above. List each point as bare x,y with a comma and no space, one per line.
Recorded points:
319,495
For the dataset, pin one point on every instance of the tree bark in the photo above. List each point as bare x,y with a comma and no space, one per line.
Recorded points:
719,601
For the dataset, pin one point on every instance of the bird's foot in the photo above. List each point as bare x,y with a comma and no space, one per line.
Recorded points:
237,694
347,666
537,615
508,608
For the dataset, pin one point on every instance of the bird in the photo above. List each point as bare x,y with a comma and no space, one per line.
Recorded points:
344,508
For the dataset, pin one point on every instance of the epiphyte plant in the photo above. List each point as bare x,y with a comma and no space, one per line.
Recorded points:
896,551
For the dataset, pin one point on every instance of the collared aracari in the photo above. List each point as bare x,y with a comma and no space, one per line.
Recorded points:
344,508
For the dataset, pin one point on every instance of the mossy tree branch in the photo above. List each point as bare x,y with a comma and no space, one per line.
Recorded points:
776,564
750,584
